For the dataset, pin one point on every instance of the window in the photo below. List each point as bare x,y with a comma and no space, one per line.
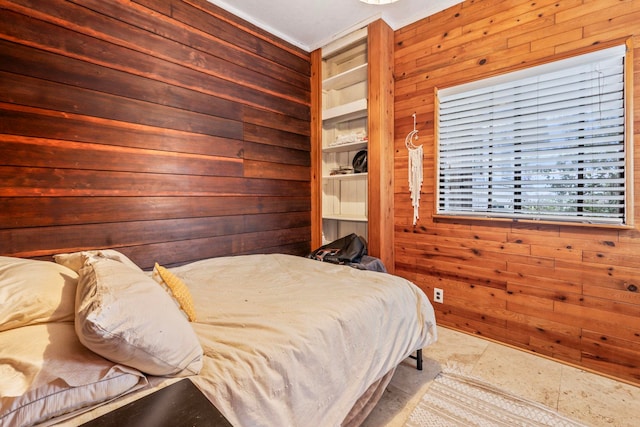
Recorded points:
544,143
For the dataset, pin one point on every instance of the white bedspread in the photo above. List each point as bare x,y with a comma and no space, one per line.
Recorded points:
290,341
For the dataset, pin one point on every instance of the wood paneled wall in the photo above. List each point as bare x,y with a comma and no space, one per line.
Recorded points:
567,292
168,129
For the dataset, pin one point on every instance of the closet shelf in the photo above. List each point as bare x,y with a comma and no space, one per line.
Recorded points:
359,36
346,176
350,146
345,79
340,217
346,112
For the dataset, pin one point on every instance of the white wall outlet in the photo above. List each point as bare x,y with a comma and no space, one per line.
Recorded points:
438,295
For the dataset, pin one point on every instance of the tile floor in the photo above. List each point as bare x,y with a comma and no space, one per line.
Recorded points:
589,398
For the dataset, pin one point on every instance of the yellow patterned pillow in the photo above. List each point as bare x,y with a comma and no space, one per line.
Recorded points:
177,288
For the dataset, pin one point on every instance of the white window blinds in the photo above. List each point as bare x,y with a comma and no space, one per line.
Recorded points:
543,143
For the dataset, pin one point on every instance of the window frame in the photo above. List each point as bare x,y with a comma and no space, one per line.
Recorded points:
627,220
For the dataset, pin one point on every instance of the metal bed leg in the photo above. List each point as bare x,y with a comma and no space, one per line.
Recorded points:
418,359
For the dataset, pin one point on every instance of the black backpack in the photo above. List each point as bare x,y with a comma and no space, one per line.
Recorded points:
346,250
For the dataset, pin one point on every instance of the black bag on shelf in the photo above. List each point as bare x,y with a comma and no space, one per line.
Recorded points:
346,250
359,162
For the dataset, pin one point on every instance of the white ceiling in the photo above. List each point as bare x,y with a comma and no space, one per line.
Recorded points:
310,24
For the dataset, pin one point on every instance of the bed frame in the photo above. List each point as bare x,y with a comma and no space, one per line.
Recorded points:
418,359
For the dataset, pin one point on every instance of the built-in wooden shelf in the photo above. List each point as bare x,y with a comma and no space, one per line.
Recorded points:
349,146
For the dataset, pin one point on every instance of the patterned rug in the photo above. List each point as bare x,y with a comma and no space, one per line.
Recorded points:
457,400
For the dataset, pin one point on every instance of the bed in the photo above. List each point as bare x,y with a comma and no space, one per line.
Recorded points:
271,340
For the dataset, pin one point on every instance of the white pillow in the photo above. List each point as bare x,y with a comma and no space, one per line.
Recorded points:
46,372
123,315
75,260
34,291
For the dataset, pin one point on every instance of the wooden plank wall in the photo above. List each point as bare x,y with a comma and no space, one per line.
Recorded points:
571,293
168,129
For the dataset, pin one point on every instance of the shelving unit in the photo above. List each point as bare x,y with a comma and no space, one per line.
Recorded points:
344,116
352,94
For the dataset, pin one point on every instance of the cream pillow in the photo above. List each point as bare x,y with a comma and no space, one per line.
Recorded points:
177,288
75,260
46,372
34,291
123,315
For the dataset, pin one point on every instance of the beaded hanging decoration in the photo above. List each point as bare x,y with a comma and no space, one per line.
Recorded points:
415,169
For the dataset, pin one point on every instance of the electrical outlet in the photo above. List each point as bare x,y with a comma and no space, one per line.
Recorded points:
438,295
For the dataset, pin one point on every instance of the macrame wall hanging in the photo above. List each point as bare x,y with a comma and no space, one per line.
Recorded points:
415,169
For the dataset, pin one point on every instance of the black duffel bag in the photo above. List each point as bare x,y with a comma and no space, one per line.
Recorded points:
346,250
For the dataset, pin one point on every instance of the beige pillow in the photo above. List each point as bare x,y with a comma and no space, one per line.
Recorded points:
177,288
35,292
123,315
46,372
75,260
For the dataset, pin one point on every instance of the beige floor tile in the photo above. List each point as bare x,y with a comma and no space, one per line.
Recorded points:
597,400
408,379
403,393
456,348
524,374
592,399
392,410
